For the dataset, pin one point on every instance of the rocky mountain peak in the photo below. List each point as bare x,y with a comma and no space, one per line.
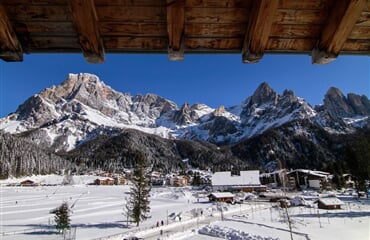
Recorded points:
185,115
336,104
360,104
219,111
62,116
263,94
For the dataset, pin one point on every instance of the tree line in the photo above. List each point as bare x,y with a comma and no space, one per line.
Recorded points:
19,157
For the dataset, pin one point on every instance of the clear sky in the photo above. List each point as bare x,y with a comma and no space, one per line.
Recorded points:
211,79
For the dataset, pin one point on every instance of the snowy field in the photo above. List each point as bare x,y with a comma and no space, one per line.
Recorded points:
97,213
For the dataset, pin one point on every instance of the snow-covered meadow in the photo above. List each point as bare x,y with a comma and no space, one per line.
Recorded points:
97,213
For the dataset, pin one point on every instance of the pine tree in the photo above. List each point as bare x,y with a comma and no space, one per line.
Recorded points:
138,203
61,217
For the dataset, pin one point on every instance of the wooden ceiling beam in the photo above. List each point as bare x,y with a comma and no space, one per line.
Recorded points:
338,27
86,22
175,29
258,31
10,47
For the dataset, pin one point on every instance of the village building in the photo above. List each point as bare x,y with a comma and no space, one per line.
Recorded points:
273,179
177,181
104,181
349,180
247,181
329,203
157,179
304,178
221,197
28,183
119,180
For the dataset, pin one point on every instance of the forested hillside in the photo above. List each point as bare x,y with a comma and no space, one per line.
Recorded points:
19,157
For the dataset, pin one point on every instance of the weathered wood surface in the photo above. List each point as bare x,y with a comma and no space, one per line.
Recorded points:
337,29
10,47
86,23
176,27
257,34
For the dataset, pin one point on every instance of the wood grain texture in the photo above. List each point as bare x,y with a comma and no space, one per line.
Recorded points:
258,31
175,29
10,47
86,22
337,29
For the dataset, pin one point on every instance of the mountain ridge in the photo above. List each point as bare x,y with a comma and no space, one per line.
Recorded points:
93,126
66,114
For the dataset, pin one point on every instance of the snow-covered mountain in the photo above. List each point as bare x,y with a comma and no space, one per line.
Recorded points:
83,106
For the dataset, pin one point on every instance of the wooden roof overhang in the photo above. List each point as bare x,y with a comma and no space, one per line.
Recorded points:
322,28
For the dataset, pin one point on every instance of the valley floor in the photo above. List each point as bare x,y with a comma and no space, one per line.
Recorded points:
97,213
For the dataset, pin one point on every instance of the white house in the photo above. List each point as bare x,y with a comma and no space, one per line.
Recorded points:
247,181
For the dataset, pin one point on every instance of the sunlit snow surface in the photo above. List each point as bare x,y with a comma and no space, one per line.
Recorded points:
97,213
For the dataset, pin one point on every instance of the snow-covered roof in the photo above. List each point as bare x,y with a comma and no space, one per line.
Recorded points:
311,172
245,178
222,194
331,201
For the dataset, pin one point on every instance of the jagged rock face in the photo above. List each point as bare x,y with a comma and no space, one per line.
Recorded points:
359,104
336,104
266,109
67,113
35,112
219,111
185,116
263,94
63,116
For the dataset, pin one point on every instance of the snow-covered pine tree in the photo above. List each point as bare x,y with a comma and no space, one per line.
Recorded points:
138,203
62,219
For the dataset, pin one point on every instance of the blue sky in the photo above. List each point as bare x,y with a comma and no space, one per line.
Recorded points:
211,79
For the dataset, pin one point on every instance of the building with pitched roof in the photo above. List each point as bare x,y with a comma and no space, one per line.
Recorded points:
247,181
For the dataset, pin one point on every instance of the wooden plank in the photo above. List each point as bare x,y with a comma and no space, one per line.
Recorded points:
133,29
295,45
218,3
213,44
289,16
305,4
216,15
26,12
135,44
131,14
10,47
131,3
53,44
342,19
33,2
228,30
357,46
175,29
360,32
258,31
295,31
86,22
364,19
45,28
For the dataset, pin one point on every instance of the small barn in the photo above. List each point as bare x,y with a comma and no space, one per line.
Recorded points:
329,203
221,197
